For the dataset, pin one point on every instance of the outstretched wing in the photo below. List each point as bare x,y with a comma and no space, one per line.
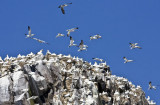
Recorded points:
29,30
62,9
136,44
68,33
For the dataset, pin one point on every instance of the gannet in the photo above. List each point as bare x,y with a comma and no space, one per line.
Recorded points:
71,30
97,36
126,60
62,7
59,35
33,97
72,42
82,46
101,60
134,45
40,41
29,35
151,87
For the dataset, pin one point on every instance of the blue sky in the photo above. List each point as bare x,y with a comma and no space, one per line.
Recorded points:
117,21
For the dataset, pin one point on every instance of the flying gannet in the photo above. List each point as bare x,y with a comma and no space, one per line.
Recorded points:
126,60
134,45
151,87
29,35
97,36
72,42
97,59
59,35
62,7
82,46
71,30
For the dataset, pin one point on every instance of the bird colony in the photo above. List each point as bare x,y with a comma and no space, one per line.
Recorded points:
51,79
56,79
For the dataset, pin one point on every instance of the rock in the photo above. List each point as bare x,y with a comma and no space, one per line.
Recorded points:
63,80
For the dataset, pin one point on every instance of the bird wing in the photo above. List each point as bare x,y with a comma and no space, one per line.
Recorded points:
130,60
71,38
68,33
29,30
136,44
35,38
62,9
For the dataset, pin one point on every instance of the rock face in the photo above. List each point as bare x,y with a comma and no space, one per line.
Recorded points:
63,80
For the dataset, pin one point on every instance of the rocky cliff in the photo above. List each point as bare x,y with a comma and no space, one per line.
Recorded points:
37,79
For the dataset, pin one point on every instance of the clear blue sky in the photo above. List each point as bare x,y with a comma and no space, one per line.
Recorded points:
117,21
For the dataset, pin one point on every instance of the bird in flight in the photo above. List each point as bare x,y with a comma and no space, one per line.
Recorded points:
126,60
134,45
82,46
151,87
97,36
40,41
59,35
97,59
72,42
29,35
71,30
62,7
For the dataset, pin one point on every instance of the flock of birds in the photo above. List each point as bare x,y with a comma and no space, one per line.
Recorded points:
82,46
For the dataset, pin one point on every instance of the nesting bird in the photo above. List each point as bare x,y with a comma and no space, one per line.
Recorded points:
151,87
59,35
29,35
82,46
97,59
97,36
72,42
126,60
134,45
71,30
33,97
62,7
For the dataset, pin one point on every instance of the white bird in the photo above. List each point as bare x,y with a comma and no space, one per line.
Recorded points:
97,36
71,30
62,7
25,90
33,97
82,46
59,35
29,35
151,87
134,45
72,42
126,60
20,97
40,41
101,60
